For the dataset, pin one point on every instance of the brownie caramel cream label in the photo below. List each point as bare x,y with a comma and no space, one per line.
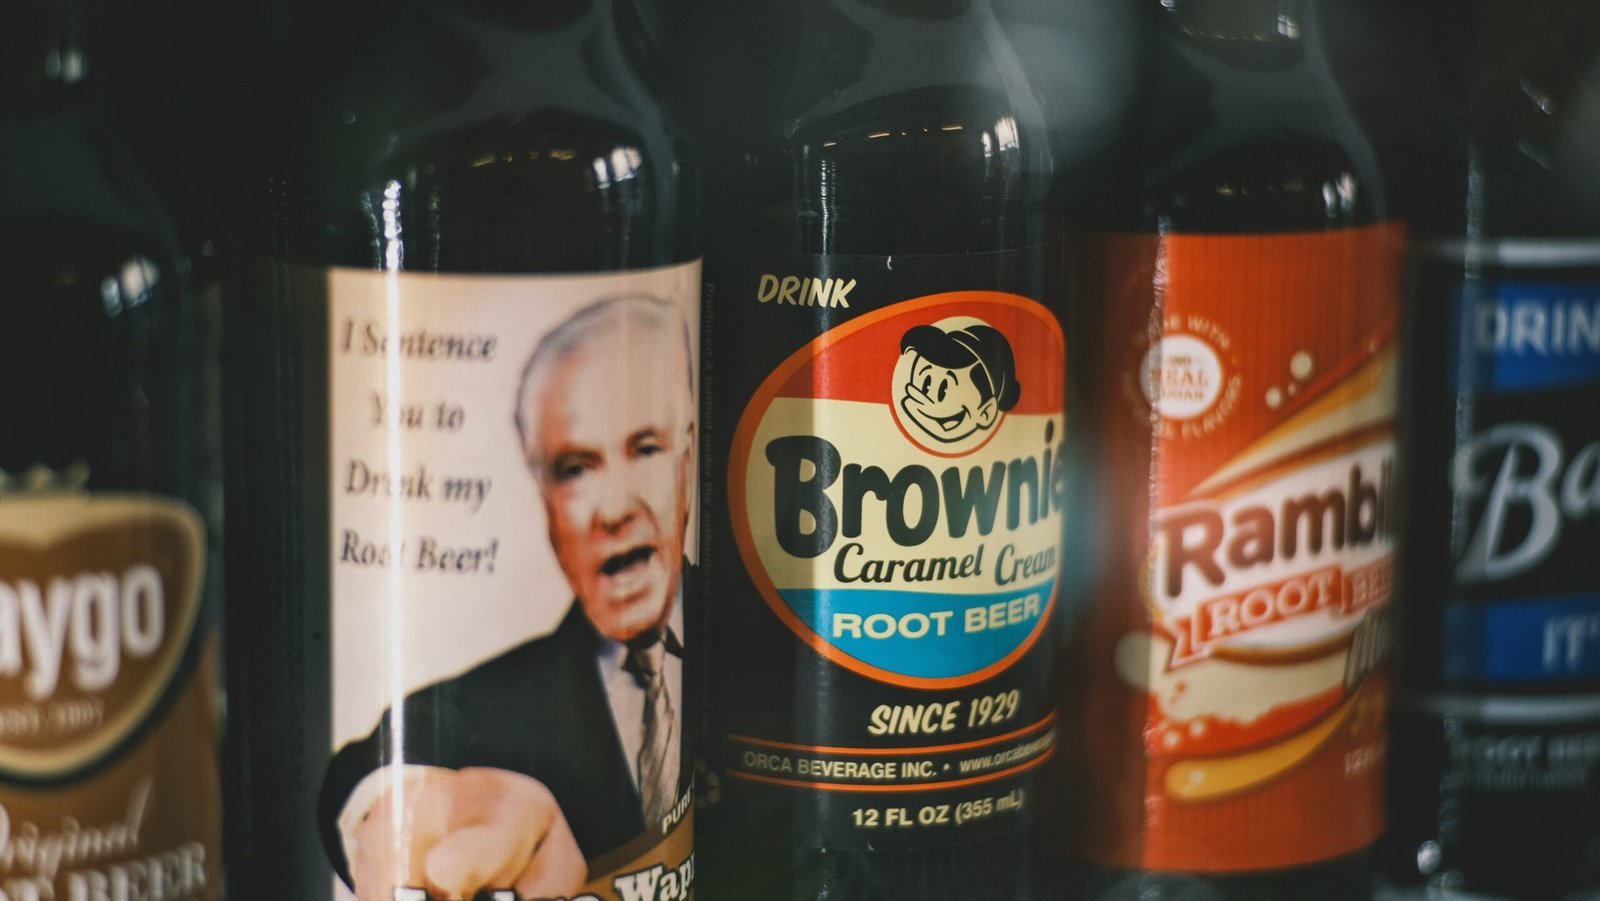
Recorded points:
1251,484
895,492
904,521
108,707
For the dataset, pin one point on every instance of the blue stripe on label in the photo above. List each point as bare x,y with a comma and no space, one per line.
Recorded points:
1528,335
920,634
1547,639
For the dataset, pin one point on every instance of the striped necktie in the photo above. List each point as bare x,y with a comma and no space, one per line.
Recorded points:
658,765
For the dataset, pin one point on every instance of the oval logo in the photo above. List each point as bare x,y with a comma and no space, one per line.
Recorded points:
896,487
1181,376
98,599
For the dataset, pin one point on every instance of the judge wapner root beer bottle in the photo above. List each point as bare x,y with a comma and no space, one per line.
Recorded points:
464,373
886,481
109,488
1234,657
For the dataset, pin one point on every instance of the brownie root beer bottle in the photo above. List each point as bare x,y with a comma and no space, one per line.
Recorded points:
463,386
1495,787
1233,658
884,491
109,495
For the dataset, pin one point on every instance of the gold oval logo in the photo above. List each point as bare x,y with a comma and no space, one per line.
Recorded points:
98,600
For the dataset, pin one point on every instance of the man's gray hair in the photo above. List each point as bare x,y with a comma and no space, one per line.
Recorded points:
618,317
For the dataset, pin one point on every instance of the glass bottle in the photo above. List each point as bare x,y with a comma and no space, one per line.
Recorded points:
1496,731
463,377
883,276
1233,659
109,497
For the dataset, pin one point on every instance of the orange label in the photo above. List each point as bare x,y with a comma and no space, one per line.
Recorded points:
1239,638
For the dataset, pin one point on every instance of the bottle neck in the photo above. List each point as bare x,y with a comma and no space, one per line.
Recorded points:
896,45
46,56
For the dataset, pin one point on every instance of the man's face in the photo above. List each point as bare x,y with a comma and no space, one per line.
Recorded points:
614,462
945,403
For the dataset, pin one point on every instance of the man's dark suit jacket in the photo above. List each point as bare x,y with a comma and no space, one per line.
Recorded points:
538,709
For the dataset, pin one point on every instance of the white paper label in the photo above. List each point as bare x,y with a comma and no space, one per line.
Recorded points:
499,448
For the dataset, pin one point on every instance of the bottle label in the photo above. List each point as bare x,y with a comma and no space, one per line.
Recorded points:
1501,722
1239,634
108,707
1525,608
512,465
894,490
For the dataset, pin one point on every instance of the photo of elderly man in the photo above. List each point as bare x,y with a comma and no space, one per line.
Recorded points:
520,771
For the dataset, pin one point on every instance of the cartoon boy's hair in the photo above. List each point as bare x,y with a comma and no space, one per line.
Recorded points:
996,374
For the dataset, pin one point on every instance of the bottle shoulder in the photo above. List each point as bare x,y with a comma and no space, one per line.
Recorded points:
1526,172
927,170
81,288
83,272
1267,183
1237,144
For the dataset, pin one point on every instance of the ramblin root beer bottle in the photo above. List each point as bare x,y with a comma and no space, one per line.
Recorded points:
1495,785
1234,655
109,495
884,491
464,385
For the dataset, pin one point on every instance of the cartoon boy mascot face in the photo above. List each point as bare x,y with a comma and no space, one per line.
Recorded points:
961,380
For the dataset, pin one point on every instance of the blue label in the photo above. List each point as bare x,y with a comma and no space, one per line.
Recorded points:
1543,639
921,634
1528,335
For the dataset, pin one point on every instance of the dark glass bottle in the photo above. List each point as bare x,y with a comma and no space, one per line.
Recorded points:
109,494
489,167
194,136
1232,656
1495,767
882,176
